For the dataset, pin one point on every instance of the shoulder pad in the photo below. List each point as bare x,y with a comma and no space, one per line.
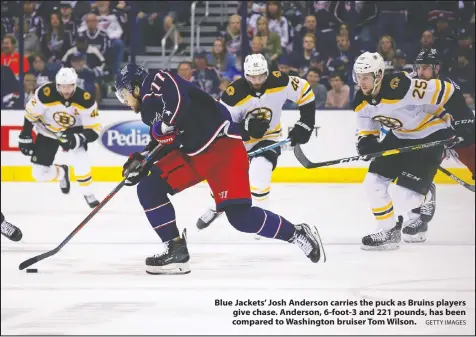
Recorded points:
277,79
47,93
236,91
395,86
359,101
82,98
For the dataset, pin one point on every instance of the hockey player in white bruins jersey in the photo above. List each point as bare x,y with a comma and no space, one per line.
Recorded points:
255,102
67,116
412,110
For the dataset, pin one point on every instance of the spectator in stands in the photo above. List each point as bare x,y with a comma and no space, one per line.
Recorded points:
31,42
445,39
323,11
96,36
320,91
223,61
224,83
184,70
178,12
302,61
463,72
232,34
55,42
345,52
257,47
338,97
33,22
205,77
310,26
66,12
284,64
400,62
29,86
386,48
270,39
10,89
86,77
109,21
359,18
10,57
321,63
255,10
42,73
279,24
94,59
392,18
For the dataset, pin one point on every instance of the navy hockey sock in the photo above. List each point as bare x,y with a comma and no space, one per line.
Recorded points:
250,219
152,192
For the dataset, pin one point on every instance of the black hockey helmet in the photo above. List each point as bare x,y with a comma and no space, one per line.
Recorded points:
428,56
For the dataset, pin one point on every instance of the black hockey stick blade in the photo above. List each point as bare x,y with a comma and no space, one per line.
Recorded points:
458,180
35,259
301,157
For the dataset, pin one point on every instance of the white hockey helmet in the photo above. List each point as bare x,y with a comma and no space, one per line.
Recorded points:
369,63
66,76
256,65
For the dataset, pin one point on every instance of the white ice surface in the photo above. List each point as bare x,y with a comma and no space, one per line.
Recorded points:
97,284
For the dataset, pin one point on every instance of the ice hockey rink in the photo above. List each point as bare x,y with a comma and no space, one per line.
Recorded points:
97,283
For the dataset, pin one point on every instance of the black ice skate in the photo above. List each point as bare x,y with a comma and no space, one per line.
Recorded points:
308,239
10,231
65,183
91,200
207,218
414,230
384,239
428,208
174,260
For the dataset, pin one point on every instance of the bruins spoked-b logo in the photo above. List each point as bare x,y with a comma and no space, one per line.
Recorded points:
389,122
64,119
260,113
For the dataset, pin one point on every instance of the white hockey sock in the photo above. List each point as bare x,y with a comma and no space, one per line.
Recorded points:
261,170
381,204
407,200
47,173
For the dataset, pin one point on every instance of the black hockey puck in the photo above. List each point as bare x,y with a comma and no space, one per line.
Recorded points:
32,270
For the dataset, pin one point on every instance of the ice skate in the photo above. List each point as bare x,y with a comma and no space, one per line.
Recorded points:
207,218
174,260
10,231
384,239
414,230
91,200
428,208
65,183
308,239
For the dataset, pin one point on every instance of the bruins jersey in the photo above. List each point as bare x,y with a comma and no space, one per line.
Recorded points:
51,113
411,108
243,102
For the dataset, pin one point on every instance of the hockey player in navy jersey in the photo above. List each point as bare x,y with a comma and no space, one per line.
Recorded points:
200,142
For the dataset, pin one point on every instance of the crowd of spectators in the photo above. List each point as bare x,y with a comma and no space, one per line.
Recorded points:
317,40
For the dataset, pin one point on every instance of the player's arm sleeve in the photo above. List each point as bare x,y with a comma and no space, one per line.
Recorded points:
365,125
458,109
434,92
300,92
91,124
176,97
34,108
233,104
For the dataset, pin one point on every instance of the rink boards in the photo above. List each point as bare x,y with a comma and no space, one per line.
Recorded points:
123,133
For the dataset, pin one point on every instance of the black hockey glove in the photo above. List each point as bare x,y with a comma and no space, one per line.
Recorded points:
254,127
367,145
72,141
25,143
301,133
464,128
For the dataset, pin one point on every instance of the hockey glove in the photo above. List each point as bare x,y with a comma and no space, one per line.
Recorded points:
367,145
301,133
254,127
163,133
25,143
132,170
465,129
72,141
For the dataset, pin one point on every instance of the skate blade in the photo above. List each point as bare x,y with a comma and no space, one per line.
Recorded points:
321,246
257,237
202,224
171,269
388,246
417,238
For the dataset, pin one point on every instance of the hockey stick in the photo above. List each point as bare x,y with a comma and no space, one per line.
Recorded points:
455,178
35,259
269,147
301,157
